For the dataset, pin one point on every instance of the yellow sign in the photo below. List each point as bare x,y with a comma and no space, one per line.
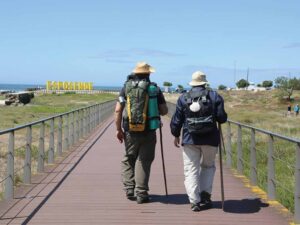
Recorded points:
59,85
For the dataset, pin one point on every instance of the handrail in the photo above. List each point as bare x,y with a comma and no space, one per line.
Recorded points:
49,118
72,126
241,161
295,140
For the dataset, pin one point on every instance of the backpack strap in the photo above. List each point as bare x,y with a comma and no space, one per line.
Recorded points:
191,95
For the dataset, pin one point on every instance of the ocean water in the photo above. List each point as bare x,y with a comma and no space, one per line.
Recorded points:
23,87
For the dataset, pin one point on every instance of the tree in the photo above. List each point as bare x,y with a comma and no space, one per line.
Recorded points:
242,83
222,87
167,85
267,83
286,85
295,83
180,88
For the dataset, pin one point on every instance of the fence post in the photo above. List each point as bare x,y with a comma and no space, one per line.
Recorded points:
228,147
253,168
81,123
100,113
9,182
71,133
239,150
59,136
51,143
84,115
41,156
89,120
297,185
271,170
93,118
76,126
27,167
66,133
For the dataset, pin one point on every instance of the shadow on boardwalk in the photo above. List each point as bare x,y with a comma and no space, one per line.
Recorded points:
230,206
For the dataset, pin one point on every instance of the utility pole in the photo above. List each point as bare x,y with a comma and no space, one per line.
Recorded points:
247,78
248,74
234,72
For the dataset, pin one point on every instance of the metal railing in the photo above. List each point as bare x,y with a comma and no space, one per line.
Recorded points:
61,133
262,155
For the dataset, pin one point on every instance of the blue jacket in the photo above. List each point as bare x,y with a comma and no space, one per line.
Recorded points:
179,121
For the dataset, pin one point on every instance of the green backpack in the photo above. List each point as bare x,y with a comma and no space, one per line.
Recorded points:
137,103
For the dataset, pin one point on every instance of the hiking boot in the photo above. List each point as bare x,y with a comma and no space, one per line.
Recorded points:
195,207
130,194
140,199
205,199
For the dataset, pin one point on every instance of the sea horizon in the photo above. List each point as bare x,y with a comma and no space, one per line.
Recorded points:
23,87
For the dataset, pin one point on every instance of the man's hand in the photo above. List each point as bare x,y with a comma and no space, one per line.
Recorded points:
120,135
177,142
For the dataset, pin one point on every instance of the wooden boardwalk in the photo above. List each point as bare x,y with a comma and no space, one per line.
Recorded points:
85,188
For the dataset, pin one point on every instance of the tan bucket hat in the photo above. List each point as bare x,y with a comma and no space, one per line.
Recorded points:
198,78
143,67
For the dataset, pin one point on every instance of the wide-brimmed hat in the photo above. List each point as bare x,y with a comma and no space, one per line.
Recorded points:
143,67
198,78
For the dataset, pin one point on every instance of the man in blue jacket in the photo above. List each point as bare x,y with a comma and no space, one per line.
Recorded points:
197,113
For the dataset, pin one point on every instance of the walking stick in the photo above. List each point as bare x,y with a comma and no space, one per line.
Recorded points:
221,165
163,160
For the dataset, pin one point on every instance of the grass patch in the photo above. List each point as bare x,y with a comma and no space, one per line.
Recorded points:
47,105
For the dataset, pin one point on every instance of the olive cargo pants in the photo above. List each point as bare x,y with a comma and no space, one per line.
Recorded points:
136,163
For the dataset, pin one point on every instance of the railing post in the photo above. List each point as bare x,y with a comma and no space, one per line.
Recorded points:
59,136
81,113
41,156
100,113
9,182
297,185
66,133
89,120
51,143
84,114
253,163
71,122
228,147
93,117
239,150
77,126
27,167
271,170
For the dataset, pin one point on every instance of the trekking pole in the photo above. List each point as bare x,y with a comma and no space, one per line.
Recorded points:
163,161
221,166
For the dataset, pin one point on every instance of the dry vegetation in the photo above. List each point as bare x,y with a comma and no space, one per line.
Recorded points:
262,109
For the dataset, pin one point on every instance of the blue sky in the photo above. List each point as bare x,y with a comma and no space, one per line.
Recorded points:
101,41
